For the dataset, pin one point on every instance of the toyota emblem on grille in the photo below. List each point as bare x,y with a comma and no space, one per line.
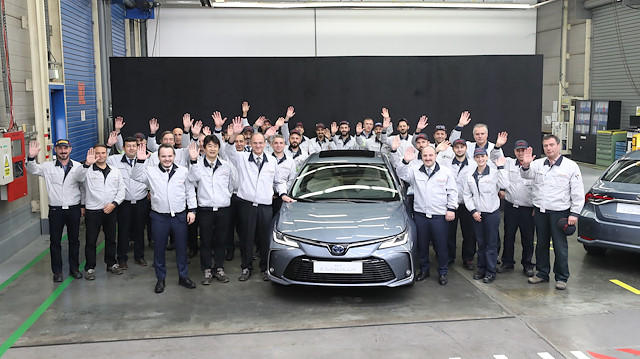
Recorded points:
337,249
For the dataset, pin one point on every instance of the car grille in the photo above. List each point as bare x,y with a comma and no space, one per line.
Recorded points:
374,270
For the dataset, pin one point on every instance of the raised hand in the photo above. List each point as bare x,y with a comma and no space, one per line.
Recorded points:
237,125
230,129
270,132
465,118
423,122
334,128
142,153
91,157
410,154
196,128
502,139
500,161
259,122
113,138
528,157
34,148
386,122
119,124
290,113
443,146
218,120
358,128
206,130
280,122
395,143
327,133
186,122
245,109
194,151
154,126
385,113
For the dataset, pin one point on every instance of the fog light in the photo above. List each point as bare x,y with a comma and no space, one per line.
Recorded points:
408,272
271,270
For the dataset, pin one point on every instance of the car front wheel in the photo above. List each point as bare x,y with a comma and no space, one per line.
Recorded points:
594,249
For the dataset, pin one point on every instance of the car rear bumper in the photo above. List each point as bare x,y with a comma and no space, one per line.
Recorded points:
595,232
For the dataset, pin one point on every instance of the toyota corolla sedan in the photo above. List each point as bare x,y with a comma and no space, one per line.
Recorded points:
348,227
611,214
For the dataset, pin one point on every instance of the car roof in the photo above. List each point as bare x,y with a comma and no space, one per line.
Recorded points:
346,156
635,155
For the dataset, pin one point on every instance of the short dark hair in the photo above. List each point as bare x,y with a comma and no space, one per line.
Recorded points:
211,138
550,136
166,145
100,145
130,139
403,120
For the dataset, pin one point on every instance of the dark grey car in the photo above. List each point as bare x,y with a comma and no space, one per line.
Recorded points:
611,214
348,227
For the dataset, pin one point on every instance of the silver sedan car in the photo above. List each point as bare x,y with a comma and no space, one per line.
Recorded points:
611,214
349,225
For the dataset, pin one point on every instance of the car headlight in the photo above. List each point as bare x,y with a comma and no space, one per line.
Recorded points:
280,238
398,240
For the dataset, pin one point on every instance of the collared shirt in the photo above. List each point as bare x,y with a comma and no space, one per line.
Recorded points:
433,195
556,188
316,145
374,143
520,190
287,170
134,190
298,156
63,189
171,192
348,143
481,189
215,182
460,170
103,186
256,186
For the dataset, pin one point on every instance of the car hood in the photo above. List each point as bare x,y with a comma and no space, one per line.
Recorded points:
342,222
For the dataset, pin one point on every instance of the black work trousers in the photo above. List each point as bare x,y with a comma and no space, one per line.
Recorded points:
94,221
132,217
58,218
255,222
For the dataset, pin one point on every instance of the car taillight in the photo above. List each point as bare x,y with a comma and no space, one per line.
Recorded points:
596,198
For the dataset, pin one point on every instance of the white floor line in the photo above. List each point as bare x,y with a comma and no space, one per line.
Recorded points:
545,355
500,356
580,355
456,358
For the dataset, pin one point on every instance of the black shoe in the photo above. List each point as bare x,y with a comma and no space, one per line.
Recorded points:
186,282
443,279
246,273
229,256
468,265
192,253
528,272
57,278
504,269
76,274
159,286
478,276
489,279
422,276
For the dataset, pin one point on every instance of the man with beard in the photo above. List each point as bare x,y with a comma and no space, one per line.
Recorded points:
322,141
294,150
62,179
344,141
405,139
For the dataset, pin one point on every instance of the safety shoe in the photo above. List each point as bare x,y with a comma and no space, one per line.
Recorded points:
57,278
123,265
90,274
537,280
560,285
115,269
528,272
221,276
478,276
207,277
246,273
75,274
468,265
141,262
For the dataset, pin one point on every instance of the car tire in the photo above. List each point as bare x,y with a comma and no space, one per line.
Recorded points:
594,249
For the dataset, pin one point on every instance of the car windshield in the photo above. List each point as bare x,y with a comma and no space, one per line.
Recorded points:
347,182
624,171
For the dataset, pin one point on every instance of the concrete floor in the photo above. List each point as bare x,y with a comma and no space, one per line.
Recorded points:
121,316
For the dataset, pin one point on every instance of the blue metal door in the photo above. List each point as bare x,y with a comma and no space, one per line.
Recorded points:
117,31
79,75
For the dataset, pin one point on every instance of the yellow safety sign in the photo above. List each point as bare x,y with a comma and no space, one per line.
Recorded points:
7,167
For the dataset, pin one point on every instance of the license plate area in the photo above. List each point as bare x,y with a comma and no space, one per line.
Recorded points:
627,208
337,267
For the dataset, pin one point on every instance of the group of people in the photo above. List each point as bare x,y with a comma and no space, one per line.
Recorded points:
197,185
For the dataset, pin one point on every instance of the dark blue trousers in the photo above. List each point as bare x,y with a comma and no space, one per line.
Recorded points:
486,233
432,230
468,238
163,225
514,219
58,218
546,230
